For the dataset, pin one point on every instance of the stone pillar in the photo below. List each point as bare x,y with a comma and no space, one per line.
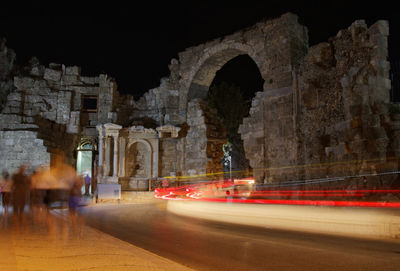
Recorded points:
100,155
100,171
122,143
155,157
107,160
115,159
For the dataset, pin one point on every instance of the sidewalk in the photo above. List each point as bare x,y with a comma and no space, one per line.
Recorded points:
54,243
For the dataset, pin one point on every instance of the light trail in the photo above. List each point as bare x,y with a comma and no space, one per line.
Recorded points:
316,166
217,192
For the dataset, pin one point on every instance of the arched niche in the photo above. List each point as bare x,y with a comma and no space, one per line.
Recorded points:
138,159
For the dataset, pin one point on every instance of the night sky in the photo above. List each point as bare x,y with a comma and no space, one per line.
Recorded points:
135,43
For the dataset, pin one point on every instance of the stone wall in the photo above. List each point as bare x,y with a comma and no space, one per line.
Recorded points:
343,88
319,105
334,120
203,143
323,111
55,138
160,104
269,134
46,103
276,46
21,148
168,156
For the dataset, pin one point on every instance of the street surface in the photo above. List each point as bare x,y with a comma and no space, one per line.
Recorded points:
206,245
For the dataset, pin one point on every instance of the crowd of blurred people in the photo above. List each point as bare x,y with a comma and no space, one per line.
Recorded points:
37,191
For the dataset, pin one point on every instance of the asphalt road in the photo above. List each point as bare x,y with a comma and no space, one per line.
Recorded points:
205,245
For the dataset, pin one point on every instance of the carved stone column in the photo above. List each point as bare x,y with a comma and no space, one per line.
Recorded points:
122,144
115,159
107,154
155,145
100,147
100,129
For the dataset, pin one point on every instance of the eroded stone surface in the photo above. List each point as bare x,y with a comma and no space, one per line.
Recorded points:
323,110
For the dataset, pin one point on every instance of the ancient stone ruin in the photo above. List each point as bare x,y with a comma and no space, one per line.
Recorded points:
324,111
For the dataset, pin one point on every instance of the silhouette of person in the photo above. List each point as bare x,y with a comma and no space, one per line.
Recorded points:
87,184
19,192
74,198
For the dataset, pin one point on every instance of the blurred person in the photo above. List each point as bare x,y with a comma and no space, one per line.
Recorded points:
75,194
6,184
87,184
41,185
65,176
19,193
68,181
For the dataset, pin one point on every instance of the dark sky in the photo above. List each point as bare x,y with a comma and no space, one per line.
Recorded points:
135,43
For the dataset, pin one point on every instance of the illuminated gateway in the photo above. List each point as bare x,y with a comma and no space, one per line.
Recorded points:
324,111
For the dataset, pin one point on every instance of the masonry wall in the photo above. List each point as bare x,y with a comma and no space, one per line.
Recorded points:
43,113
343,89
203,143
160,104
168,157
269,135
21,148
334,120
324,111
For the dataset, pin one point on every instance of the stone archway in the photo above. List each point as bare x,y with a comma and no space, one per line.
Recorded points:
207,134
215,58
276,46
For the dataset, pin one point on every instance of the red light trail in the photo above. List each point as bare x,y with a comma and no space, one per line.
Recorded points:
209,192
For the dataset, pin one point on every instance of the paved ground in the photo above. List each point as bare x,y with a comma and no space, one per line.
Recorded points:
218,246
55,242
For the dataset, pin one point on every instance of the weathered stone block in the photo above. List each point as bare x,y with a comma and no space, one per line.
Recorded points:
9,119
89,80
53,75
37,71
310,98
14,96
380,27
73,70
375,133
70,79
23,82
321,54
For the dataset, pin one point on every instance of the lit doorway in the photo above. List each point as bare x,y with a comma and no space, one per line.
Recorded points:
84,161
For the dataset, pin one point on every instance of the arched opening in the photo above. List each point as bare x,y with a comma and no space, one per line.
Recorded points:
231,93
85,160
137,161
209,64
